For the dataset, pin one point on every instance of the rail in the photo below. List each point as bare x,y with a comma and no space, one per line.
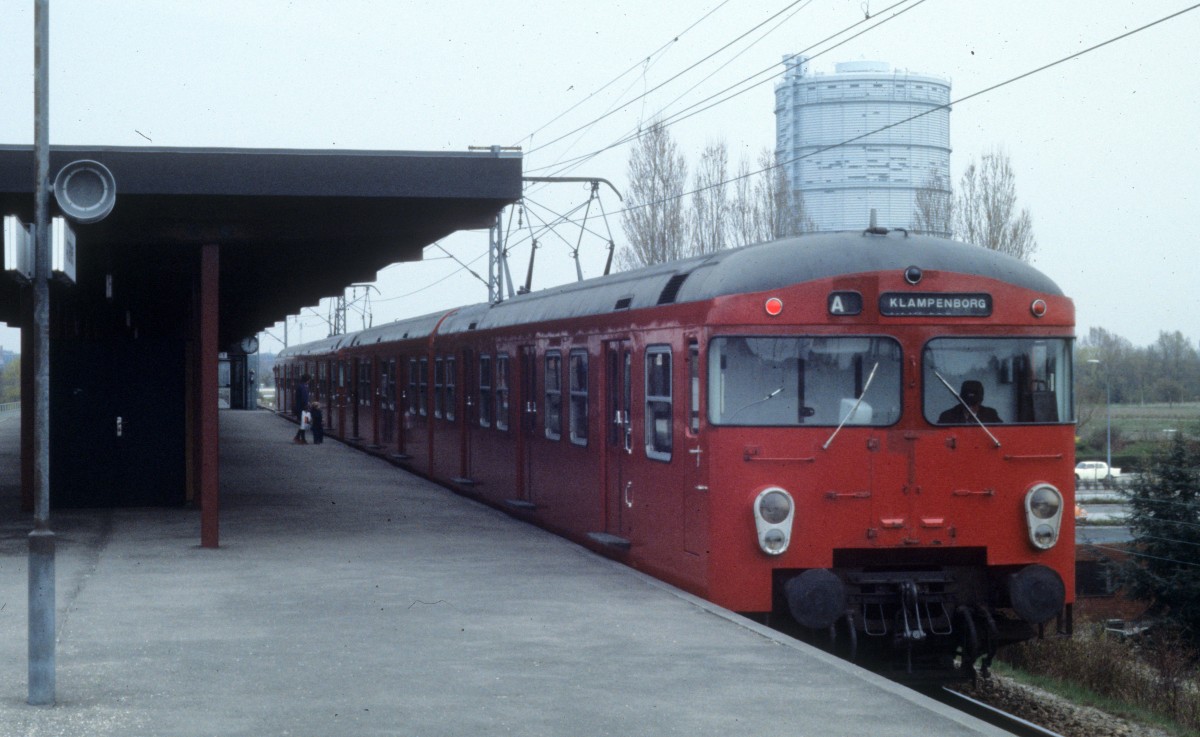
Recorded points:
990,714
9,407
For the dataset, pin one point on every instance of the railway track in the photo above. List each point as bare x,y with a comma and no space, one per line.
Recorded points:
990,714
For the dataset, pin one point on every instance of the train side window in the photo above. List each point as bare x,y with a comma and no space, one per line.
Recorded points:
553,395
423,388
578,372
658,403
693,387
451,395
485,391
502,391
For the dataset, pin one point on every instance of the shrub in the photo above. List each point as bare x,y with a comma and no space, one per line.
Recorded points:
1156,672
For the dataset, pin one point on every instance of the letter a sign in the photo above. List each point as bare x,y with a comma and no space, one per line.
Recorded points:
845,303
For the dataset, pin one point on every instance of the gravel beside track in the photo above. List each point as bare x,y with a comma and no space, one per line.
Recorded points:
1052,712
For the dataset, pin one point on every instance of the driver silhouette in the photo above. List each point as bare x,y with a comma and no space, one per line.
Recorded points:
972,396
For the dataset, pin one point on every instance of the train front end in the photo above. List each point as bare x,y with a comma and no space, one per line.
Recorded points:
890,457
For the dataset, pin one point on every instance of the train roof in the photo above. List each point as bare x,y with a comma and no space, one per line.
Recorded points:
756,268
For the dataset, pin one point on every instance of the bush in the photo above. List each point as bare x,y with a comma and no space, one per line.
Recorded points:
1156,672
10,382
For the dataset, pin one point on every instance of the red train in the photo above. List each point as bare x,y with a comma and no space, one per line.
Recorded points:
872,432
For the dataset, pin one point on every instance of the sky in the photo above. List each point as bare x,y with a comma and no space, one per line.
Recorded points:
1105,146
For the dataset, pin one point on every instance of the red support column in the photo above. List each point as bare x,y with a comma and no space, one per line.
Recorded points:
206,415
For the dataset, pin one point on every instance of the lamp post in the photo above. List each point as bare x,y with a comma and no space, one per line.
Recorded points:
1108,419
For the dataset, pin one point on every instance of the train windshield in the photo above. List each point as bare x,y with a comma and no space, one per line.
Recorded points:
812,381
1000,380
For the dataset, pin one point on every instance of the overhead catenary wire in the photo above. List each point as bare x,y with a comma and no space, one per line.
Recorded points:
640,63
637,130
965,98
978,93
566,218
771,71
668,80
1136,554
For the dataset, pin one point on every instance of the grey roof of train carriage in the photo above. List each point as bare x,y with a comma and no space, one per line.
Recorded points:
750,269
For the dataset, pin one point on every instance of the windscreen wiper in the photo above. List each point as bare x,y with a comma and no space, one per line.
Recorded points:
854,408
745,407
967,407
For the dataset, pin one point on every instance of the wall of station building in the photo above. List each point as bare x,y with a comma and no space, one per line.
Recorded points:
892,153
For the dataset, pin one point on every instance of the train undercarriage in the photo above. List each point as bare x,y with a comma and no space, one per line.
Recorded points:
922,623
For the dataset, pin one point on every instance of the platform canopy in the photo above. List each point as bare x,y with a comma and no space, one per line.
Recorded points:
293,226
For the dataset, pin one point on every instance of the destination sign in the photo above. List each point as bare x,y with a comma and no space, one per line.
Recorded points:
932,304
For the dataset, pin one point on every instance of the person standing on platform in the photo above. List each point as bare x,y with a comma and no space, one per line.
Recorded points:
301,407
318,423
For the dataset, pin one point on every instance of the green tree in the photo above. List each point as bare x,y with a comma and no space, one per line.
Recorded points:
1164,518
10,381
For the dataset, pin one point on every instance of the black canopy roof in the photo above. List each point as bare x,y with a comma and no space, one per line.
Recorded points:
292,225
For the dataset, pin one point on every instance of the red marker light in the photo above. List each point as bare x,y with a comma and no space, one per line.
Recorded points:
774,306
1038,308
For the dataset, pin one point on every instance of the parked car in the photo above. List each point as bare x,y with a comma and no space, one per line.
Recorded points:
1094,471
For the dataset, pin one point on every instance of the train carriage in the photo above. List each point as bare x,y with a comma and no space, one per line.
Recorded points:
870,433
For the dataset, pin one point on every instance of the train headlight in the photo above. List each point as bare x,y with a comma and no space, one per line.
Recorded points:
773,512
1043,514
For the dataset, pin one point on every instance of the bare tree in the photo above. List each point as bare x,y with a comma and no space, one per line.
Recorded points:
986,212
654,220
782,211
743,210
710,203
935,207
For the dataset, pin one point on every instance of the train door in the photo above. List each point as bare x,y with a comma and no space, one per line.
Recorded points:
467,427
352,398
528,400
362,398
373,398
342,399
387,402
324,387
417,439
695,509
407,376
618,442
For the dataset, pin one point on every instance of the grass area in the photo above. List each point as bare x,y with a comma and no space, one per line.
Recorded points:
1146,680
1137,429
1075,694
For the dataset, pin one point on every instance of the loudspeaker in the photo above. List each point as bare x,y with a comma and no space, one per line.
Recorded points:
86,191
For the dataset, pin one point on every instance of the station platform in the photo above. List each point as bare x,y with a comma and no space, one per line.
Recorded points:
349,597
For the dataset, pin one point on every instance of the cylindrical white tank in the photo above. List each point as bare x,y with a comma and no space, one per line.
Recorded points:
852,141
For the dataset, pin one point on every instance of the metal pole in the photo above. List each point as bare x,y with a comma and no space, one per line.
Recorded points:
1108,414
41,539
493,262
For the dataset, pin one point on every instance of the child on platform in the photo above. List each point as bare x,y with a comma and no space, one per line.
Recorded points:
318,422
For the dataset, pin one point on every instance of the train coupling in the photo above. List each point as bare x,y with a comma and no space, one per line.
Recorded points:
909,605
